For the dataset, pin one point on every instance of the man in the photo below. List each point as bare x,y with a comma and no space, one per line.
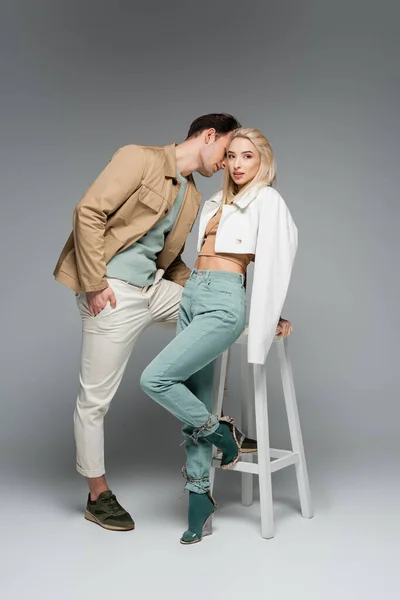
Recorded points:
123,261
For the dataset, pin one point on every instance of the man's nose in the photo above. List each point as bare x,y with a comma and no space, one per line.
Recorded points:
222,164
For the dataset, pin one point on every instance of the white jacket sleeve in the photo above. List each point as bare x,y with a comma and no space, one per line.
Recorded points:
275,252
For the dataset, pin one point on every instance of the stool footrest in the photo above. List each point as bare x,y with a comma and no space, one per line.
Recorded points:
281,463
288,458
244,467
275,453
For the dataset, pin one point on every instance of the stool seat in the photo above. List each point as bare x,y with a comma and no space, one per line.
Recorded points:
242,339
255,423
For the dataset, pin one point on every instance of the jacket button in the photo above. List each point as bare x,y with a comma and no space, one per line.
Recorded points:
238,241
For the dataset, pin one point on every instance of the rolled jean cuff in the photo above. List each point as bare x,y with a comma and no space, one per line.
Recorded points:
198,489
199,485
208,428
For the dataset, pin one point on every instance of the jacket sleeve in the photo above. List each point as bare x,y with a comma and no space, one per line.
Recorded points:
275,252
177,270
115,184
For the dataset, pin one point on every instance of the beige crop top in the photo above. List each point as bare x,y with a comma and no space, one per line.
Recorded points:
208,247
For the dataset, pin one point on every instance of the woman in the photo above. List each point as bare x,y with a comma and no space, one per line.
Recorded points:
247,220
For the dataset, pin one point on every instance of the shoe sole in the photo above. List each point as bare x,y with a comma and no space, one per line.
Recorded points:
242,451
92,519
190,543
232,464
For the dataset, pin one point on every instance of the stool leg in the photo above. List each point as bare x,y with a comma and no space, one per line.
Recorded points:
247,406
264,459
294,427
219,390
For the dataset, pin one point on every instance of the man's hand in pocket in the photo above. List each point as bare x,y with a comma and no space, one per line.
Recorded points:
97,301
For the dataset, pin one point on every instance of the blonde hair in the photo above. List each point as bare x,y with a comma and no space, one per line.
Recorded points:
266,174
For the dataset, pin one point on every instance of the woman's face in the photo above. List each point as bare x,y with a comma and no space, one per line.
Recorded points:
243,161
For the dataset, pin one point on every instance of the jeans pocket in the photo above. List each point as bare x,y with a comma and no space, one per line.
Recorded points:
219,287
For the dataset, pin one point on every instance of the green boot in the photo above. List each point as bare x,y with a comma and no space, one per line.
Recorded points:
201,507
229,439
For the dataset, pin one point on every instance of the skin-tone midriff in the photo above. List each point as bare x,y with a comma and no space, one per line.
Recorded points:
211,263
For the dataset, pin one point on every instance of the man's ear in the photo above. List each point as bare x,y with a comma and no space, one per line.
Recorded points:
209,135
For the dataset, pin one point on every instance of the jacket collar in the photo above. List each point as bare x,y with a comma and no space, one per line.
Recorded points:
170,161
170,168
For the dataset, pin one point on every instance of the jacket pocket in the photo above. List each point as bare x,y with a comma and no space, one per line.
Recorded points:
151,199
137,215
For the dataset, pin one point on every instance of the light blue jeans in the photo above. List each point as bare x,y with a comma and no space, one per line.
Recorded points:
212,316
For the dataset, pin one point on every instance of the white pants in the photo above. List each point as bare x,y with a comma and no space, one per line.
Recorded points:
107,343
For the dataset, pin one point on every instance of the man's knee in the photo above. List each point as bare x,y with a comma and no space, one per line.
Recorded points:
93,404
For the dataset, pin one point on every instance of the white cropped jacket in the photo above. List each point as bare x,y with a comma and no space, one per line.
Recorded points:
259,223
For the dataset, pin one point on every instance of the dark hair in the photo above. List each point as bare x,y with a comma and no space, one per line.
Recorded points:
221,122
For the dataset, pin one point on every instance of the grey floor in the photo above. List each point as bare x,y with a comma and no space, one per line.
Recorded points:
348,551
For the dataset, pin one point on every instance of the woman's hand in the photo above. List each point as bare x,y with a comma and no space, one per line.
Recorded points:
284,328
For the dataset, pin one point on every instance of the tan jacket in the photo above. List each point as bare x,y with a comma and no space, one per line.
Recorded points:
135,191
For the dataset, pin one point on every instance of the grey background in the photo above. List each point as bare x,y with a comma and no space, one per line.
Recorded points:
321,80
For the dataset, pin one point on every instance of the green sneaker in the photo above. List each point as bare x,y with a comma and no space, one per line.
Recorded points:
107,512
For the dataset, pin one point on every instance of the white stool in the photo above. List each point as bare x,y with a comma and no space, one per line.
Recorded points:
282,458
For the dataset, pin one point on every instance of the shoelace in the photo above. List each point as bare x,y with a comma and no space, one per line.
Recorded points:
112,504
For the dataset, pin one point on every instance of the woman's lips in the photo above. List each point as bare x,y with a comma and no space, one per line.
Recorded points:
238,175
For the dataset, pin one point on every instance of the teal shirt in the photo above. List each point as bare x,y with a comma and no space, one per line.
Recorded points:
137,263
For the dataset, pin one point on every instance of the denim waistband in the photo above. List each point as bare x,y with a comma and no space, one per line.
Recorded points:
197,275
